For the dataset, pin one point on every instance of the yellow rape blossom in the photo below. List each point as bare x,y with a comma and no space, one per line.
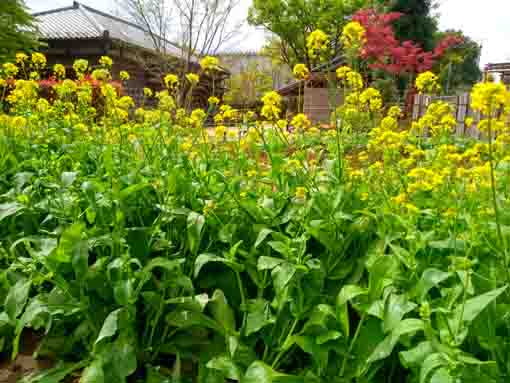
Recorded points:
39,60
171,81
124,76
106,62
301,122
209,63
301,192
213,100
316,43
353,36
488,97
427,82
59,71
301,72
193,78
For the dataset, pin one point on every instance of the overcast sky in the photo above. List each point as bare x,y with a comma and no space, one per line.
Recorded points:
487,22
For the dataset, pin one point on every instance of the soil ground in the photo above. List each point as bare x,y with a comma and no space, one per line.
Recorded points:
24,364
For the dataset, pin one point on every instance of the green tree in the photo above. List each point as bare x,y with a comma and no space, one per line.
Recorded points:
460,66
418,23
246,87
17,30
293,20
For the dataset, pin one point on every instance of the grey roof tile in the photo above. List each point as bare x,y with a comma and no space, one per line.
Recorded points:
82,22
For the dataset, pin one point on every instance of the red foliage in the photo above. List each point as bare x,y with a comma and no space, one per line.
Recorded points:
51,81
388,53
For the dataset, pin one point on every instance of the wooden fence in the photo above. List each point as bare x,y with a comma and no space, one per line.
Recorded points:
462,107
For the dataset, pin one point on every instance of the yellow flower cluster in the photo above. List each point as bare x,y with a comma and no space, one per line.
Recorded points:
301,72
316,43
371,99
209,63
101,74
395,112
213,100
353,36
438,119
271,108
80,66
171,81
106,62
21,58
166,101
349,78
424,179
300,192
386,137
427,82
124,76
59,71
39,60
197,117
193,78
10,70
489,97
301,122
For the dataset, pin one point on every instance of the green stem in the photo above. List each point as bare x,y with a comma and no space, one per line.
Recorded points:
495,201
243,299
282,351
353,342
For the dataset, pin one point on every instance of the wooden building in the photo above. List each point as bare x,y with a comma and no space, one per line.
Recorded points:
503,69
82,32
313,93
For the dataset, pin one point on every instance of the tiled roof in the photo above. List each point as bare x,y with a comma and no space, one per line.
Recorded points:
82,22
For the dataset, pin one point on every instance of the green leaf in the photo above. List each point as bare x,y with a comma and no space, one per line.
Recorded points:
474,306
280,247
259,316
268,263
204,259
222,312
282,275
259,372
123,292
68,178
195,224
127,192
10,208
80,260
429,279
17,298
348,293
385,348
396,307
448,244
382,273
432,363
110,326
186,318
55,374
442,375
35,308
417,355
262,236
159,262
93,373
320,319
226,366
196,303
69,241
123,358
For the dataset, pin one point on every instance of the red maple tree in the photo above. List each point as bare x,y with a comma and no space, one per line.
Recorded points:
387,53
